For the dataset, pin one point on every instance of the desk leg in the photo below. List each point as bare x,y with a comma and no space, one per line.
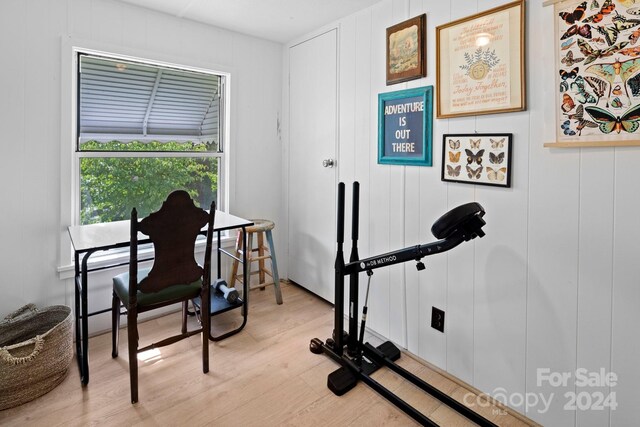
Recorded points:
77,286
245,287
85,321
245,278
82,319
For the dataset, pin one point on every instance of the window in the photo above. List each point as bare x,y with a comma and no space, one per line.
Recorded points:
145,130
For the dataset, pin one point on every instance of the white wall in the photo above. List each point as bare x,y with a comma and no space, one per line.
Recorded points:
554,284
35,161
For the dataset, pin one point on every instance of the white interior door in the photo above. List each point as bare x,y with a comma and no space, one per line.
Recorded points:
313,141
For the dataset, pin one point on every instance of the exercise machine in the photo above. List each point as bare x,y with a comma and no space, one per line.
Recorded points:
358,360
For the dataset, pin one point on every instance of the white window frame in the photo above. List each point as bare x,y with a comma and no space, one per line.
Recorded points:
70,156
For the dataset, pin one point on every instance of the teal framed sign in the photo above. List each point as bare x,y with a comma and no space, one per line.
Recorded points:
405,127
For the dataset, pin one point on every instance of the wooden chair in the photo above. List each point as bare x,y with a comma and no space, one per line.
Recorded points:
175,275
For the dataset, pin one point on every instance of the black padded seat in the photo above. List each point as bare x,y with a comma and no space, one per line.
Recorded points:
448,223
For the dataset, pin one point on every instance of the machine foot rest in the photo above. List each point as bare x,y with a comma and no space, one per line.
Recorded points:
341,381
390,350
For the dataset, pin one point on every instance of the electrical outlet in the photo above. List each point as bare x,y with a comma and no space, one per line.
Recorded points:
437,319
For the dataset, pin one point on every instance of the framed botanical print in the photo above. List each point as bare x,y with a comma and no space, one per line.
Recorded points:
480,63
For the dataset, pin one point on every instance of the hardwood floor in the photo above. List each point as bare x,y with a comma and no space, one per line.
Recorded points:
263,376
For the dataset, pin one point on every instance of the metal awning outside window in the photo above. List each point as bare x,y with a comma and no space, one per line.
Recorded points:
127,101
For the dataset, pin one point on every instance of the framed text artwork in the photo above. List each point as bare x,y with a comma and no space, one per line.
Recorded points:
406,59
477,158
480,63
405,127
598,73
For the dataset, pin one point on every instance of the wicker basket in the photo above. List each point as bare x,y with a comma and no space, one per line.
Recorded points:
36,349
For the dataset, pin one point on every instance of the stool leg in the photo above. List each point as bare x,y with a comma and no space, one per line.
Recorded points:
234,265
261,260
249,250
274,268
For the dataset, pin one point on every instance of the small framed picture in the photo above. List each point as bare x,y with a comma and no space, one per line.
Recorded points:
405,50
405,127
477,158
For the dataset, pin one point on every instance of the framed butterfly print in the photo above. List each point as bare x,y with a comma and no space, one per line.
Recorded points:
405,127
598,73
480,63
477,158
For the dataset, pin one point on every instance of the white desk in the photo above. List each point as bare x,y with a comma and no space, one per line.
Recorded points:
88,239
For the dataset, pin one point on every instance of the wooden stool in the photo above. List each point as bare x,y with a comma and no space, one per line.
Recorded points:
260,227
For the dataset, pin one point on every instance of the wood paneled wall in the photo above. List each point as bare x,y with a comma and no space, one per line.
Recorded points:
555,282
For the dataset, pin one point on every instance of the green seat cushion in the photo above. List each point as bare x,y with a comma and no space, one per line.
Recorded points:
173,292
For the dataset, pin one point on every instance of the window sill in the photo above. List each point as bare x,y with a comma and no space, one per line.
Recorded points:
113,258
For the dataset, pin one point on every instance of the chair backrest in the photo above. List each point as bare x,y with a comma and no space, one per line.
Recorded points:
173,230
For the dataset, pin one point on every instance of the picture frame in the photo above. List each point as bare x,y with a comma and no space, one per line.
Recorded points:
405,127
597,79
406,59
480,63
477,158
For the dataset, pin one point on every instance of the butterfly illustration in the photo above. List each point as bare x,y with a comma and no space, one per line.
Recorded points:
634,11
627,3
592,54
621,19
625,24
564,86
496,175
609,71
610,34
617,90
580,94
630,51
454,144
633,37
567,103
607,7
567,44
608,122
616,103
569,60
497,143
577,115
598,40
566,127
634,85
566,75
475,143
454,157
496,159
595,5
582,122
477,157
575,16
597,85
451,171
474,174
581,30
